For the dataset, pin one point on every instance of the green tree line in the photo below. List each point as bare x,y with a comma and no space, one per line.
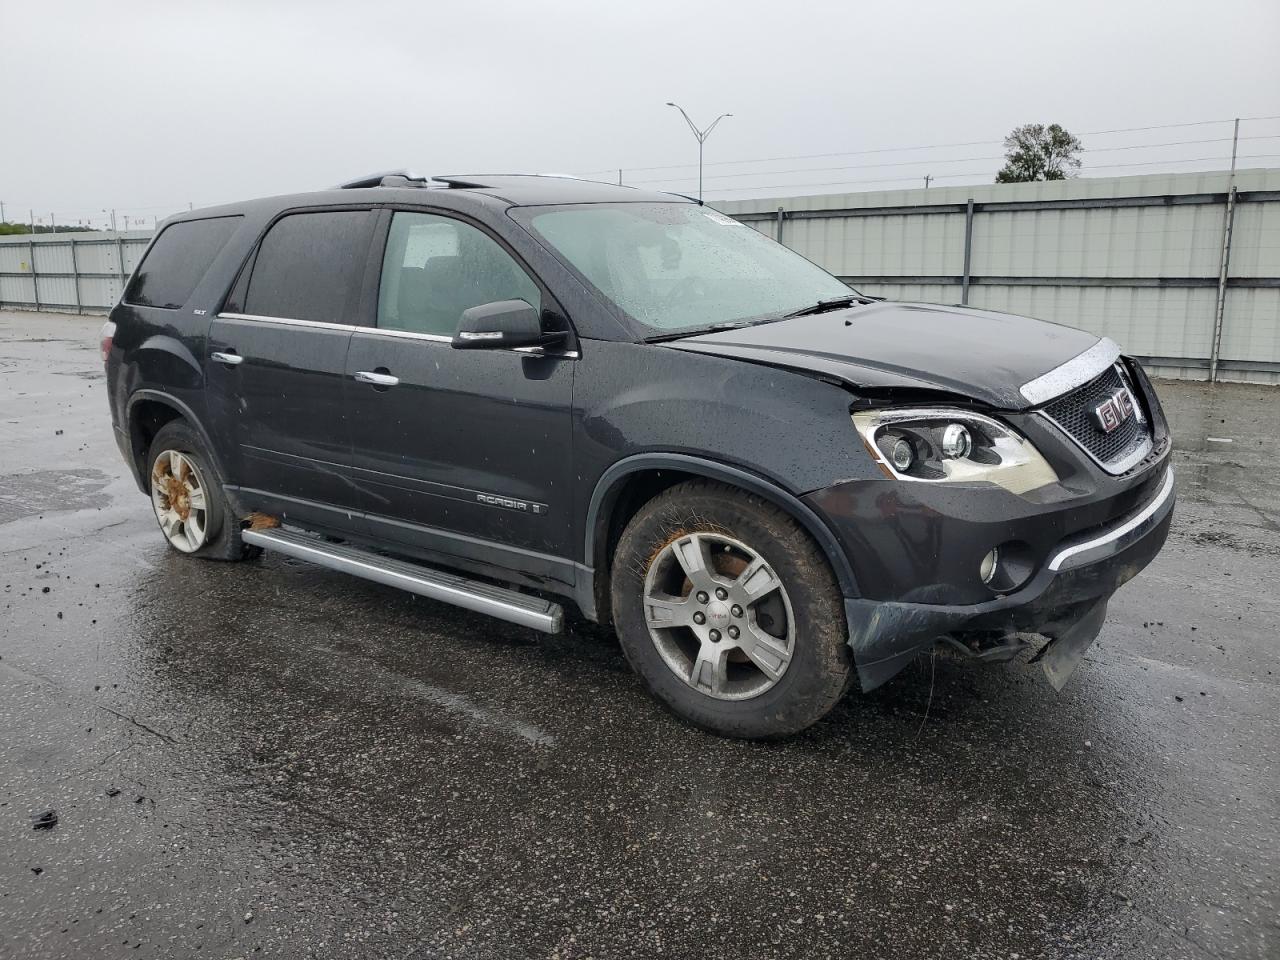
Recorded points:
11,229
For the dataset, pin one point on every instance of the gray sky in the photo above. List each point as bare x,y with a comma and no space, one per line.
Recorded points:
147,106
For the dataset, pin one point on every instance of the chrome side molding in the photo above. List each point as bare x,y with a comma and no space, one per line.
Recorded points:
287,321
500,602
1076,372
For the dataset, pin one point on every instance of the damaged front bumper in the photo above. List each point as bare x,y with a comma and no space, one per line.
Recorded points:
1065,600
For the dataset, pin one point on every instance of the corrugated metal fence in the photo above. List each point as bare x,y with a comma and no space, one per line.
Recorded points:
74,272
1139,259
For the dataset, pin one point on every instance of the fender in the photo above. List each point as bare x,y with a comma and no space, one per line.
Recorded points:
147,354
159,396
610,483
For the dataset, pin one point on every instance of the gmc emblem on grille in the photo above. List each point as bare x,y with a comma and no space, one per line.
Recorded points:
1113,411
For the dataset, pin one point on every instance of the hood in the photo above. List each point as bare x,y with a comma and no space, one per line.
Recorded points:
977,354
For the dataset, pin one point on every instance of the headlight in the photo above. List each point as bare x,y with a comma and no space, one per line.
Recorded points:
952,446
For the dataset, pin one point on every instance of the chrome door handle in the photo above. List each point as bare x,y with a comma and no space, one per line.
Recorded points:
230,359
377,379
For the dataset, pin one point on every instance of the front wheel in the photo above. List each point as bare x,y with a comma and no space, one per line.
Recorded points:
730,612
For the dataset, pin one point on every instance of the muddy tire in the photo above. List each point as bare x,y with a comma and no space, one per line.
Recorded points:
187,497
729,611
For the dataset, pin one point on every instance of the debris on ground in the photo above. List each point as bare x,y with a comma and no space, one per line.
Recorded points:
44,819
260,521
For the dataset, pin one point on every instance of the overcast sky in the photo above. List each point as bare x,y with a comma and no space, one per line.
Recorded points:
146,107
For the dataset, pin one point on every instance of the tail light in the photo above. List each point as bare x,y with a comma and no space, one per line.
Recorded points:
104,344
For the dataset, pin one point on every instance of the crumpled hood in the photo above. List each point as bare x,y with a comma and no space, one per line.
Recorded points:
978,354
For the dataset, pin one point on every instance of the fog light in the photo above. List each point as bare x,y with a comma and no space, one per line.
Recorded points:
987,568
956,441
902,455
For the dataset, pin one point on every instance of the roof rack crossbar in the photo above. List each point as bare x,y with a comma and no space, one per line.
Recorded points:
404,180
388,178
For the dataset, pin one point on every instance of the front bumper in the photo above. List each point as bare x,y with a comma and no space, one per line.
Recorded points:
1065,599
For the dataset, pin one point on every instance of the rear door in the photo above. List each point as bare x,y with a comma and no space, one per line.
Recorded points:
276,361
460,453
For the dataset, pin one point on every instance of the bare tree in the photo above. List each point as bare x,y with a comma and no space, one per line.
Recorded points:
1036,152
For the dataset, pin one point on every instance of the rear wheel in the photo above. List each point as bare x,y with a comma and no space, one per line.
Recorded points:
729,611
187,497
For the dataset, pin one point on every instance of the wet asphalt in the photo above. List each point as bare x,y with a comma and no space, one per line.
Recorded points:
270,759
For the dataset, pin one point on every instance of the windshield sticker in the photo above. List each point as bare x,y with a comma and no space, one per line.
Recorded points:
720,218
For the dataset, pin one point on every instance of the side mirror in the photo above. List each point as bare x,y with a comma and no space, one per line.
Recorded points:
502,325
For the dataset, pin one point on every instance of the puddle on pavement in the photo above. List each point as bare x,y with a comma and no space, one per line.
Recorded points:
43,491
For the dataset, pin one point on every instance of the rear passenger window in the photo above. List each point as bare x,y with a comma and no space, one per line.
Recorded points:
309,267
436,267
177,260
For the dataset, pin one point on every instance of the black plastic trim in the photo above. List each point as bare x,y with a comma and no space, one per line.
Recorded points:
610,483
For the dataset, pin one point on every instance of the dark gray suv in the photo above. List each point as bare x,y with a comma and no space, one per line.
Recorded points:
504,392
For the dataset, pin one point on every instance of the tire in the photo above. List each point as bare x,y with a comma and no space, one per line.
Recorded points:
745,545
193,514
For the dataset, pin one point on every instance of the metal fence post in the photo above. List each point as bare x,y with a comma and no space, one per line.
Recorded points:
35,282
782,215
75,276
968,251
1221,303
120,258
1227,221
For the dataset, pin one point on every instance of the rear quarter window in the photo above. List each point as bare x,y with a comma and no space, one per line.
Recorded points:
177,260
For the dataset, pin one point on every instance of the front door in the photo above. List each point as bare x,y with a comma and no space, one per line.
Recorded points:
461,455
277,355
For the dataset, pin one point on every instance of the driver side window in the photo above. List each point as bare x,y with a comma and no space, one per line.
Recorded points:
436,267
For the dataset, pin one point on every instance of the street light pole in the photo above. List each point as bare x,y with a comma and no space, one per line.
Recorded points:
700,135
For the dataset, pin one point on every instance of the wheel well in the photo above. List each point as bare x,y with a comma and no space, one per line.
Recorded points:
637,490
145,420
633,492
613,509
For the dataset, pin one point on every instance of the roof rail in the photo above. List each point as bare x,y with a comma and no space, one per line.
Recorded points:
403,178
458,183
685,196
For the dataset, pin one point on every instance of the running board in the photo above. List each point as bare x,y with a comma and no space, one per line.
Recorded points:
509,605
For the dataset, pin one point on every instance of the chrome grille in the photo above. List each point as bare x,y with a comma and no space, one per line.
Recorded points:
1073,413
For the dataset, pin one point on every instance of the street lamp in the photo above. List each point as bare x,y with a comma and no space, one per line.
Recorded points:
701,136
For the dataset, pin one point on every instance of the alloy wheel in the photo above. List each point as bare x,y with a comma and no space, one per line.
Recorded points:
178,496
719,615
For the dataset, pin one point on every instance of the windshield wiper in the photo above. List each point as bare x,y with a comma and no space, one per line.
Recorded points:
711,328
830,303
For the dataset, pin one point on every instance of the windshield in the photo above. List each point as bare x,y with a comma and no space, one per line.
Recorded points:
679,266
